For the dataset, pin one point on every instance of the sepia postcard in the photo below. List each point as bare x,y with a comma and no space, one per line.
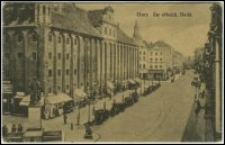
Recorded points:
112,72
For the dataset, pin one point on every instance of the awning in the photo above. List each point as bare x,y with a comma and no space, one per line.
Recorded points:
58,98
78,93
33,133
138,80
26,101
131,81
110,85
19,95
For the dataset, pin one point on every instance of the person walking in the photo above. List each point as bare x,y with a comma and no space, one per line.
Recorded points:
65,119
5,131
20,128
13,129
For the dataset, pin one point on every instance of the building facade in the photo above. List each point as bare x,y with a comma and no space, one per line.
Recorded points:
119,56
160,60
60,46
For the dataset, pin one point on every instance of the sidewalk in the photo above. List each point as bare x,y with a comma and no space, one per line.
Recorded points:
195,128
76,132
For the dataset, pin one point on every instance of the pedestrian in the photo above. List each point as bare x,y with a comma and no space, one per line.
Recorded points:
13,129
5,131
20,128
197,110
65,119
199,104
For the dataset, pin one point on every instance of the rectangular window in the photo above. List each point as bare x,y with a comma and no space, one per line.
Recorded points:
109,32
59,39
156,59
34,38
50,73
19,38
59,72
75,41
106,30
50,55
156,66
160,59
49,90
67,40
34,56
50,38
75,71
156,53
67,72
6,56
160,53
67,56
59,55
143,65
160,66
20,55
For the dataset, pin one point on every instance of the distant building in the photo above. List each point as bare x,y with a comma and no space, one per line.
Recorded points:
143,52
160,61
177,62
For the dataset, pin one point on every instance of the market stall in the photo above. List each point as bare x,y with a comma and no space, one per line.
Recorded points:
54,104
80,98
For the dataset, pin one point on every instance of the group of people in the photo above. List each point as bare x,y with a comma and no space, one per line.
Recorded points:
14,129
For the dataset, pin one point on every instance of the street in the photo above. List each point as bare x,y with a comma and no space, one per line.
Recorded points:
161,116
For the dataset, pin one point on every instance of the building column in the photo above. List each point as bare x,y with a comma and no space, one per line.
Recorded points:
217,81
98,65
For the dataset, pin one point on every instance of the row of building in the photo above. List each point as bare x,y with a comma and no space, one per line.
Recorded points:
67,48
157,61
208,63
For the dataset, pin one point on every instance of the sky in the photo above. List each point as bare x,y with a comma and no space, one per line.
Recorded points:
183,33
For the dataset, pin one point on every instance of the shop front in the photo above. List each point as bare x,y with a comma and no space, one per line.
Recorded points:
7,97
18,110
132,84
54,104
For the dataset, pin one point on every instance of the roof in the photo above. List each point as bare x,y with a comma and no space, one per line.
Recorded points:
58,98
161,44
123,38
95,16
74,19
